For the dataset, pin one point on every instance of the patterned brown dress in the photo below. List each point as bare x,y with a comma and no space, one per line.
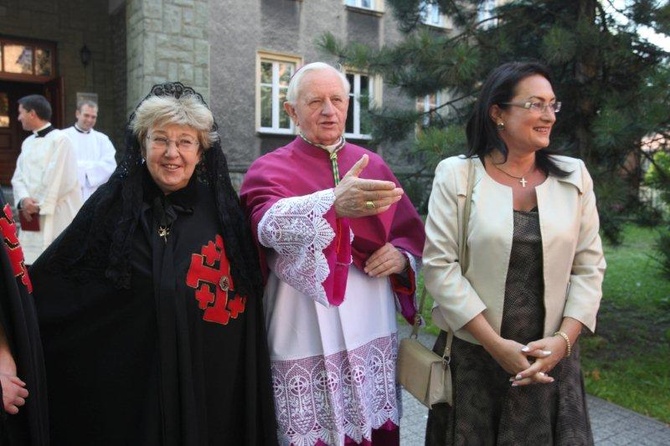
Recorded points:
487,410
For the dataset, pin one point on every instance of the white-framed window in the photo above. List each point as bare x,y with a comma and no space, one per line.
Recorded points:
427,105
373,5
365,92
431,15
274,73
486,12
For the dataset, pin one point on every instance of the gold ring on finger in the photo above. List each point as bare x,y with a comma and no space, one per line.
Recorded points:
370,205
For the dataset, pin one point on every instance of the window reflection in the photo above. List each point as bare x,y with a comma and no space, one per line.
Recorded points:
4,110
42,62
27,58
18,59
274,79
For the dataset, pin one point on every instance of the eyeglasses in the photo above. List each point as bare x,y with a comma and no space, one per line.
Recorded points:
183,144
539,107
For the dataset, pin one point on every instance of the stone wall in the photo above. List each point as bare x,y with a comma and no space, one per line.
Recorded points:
119,77
240,29
167,40
138,43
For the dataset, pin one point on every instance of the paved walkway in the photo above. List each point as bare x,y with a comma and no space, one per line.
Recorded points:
612,425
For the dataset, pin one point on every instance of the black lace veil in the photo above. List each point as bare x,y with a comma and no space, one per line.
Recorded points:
99,240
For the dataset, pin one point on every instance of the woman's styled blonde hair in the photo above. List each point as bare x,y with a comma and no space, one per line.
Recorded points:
162,111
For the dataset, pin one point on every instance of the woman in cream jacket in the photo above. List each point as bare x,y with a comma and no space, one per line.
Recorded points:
533,279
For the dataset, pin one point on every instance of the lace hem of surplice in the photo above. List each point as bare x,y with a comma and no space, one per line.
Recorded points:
328,398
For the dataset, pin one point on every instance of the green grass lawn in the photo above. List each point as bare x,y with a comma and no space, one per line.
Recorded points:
627,360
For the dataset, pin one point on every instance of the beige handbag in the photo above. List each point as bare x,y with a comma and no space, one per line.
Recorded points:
422,372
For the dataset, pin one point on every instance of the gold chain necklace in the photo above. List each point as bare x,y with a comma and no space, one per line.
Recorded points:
522,178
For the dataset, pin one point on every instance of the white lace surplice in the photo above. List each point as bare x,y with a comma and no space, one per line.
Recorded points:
333,371
296,230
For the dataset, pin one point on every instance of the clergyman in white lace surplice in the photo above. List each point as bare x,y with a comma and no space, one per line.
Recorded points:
340,253
331,327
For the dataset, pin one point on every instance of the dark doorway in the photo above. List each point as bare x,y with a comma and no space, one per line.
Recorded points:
11,132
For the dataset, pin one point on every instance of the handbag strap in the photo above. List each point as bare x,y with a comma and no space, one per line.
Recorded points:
463,235
462,258
417,318
462,244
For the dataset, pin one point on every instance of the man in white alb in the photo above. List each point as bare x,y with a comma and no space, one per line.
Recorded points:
45,180
93,150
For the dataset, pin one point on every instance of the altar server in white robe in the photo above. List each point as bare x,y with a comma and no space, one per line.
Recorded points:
93,150
45,181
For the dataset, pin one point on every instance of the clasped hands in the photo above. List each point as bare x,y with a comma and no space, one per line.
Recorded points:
531,363
29,207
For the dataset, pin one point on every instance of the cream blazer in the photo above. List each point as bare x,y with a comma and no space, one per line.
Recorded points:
572,255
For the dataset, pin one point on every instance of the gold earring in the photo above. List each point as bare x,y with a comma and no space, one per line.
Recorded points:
501,126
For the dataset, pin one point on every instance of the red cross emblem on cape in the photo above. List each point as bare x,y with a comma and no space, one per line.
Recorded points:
215,291
13,247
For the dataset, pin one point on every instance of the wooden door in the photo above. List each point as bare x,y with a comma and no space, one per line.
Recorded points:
53,91
11,132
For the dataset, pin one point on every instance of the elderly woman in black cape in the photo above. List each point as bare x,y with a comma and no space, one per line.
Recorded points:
150,302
